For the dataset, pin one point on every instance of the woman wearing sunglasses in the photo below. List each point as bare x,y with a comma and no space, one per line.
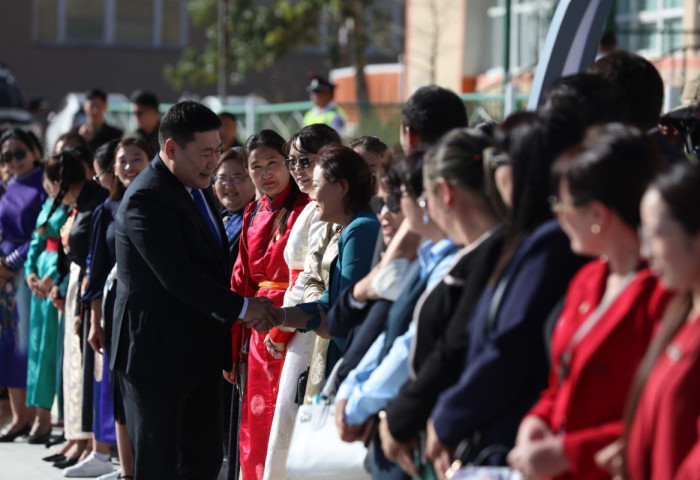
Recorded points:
297,348
19,208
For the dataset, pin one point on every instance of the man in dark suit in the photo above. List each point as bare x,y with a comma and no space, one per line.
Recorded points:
174,308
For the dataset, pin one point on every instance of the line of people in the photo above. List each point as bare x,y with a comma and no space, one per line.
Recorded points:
522,294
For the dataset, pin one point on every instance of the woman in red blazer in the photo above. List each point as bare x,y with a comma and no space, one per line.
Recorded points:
662,442
610,310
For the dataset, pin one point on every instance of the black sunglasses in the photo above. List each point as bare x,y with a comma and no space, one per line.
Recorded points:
393,203
292,163
19,154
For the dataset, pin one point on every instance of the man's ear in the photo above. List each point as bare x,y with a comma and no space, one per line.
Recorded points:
169,149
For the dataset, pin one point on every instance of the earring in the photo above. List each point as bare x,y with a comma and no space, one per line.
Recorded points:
426,219
595,229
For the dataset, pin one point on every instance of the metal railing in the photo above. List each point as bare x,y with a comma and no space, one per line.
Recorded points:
380,119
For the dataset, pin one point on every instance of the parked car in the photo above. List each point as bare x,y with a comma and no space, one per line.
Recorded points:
12,111
70,114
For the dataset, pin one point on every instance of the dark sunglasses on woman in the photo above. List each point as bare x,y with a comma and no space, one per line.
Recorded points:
303,162
393,203
19,154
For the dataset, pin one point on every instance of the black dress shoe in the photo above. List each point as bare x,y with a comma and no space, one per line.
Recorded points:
56,457
68,462
39,438
55,440
10,437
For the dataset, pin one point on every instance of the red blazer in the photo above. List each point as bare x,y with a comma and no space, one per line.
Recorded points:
586,406
690,468
663,442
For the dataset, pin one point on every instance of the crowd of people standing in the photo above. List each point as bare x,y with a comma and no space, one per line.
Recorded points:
523,294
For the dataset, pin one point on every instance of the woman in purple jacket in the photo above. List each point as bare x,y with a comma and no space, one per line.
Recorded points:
19,208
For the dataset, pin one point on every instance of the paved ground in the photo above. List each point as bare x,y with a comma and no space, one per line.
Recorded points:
21,461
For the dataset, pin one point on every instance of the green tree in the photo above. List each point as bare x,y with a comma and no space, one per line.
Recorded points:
256,34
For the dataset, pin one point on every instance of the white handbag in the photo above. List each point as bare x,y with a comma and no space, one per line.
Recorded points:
316,451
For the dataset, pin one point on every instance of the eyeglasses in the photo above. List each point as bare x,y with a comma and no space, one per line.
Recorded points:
495,159
303,162
558,206
97,176
232,180
19,154
393,203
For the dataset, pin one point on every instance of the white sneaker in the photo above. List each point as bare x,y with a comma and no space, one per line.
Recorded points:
90,467
110,476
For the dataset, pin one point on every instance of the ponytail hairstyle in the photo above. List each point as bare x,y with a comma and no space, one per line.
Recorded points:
65,168
680,191
272,139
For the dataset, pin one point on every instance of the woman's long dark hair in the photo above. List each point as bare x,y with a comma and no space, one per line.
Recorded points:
28,139
271,139
532,141
680,191
117,189
65,168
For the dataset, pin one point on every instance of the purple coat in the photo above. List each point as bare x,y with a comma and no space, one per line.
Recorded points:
19,209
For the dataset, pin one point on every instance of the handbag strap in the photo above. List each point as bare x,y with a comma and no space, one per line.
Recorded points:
331,386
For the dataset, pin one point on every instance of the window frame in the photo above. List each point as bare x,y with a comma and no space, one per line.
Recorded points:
109,22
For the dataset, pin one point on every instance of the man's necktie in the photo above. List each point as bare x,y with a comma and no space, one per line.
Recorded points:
202,207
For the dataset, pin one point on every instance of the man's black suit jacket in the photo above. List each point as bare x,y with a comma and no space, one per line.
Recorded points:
174,307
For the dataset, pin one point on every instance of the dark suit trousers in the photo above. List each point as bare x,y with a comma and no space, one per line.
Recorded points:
174,427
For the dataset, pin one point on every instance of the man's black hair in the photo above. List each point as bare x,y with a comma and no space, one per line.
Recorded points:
433,111
184,119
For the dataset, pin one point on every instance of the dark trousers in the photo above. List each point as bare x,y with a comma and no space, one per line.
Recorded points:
174,427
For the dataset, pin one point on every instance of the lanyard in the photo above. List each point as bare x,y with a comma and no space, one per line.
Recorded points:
587,326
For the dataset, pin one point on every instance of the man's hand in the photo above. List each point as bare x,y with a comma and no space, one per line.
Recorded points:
230,377
260,314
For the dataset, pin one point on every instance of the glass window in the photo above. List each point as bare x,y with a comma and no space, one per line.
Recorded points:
672,36
647,39
649,5
84,20
134,22
46,20
673,3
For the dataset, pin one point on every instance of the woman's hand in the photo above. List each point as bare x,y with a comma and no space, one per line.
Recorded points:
96,337
540,459
56,299
348,433
532,428
611,458
273,348
77,324
363,291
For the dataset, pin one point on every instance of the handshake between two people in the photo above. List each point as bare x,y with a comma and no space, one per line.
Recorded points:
261,314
